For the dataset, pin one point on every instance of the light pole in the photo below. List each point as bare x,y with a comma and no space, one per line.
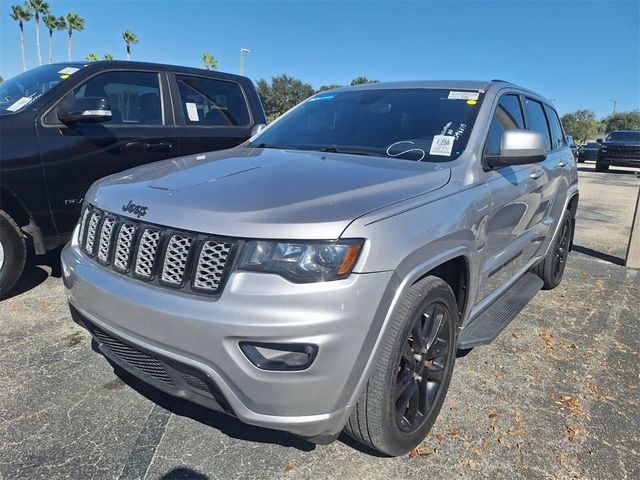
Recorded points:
614,106
243,52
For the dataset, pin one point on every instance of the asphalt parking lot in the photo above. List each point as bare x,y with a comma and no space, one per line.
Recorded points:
555,396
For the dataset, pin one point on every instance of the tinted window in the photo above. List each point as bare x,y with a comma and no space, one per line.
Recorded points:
537,120
134,97
623,137
508,115
406,124
212,102
557,138
21,90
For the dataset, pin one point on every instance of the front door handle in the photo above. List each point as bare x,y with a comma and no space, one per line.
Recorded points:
561,163
536,174
159,147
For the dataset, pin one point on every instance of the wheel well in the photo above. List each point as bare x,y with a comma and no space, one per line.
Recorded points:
10,204
573,204
456,273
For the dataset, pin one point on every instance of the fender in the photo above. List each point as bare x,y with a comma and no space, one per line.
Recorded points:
396,289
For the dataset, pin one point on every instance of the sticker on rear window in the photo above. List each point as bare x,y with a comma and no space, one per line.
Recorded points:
192,111
442,145
453,95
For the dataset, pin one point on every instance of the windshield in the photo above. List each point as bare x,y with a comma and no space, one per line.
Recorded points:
407,124
20,91
623,137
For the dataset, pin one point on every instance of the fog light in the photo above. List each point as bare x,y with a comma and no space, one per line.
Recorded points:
280,356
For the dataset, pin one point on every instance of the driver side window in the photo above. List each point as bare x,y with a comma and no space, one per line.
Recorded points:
508,115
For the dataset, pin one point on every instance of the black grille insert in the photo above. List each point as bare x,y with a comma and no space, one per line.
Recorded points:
140,360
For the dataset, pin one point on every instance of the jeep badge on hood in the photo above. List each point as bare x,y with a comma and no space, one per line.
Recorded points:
137,210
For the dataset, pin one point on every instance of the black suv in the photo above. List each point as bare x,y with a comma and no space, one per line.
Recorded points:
63,126
621,148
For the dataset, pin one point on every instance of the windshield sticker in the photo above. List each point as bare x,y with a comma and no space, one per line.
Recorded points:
192,111
19,104
406,148
328,96
68,71
471,102
447,129
453,95
442,145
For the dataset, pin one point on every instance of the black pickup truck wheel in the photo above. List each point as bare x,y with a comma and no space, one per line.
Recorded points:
13,253
404,395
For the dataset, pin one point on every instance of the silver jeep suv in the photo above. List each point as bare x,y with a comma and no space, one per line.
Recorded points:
323,275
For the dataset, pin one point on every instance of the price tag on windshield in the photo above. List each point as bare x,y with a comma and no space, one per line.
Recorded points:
19,104
442,145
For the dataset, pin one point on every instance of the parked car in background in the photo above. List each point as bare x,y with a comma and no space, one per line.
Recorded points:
619,148
63,126
573,146
323,275
588,151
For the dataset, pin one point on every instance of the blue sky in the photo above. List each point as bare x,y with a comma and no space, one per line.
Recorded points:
582,54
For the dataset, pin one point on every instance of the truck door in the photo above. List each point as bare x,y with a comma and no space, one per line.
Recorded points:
74,156
513,232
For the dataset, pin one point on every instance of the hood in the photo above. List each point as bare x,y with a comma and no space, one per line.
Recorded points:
266,193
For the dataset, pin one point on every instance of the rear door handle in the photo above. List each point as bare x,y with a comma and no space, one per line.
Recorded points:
536,174
159,147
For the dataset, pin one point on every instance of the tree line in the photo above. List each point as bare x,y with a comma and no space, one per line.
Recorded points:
285,92
584,126
71,22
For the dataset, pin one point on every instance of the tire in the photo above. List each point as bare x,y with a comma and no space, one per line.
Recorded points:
13,253
381,422
602,167
551,269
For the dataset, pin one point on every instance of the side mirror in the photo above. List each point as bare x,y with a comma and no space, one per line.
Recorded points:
599,140
86,110
519,147
257,128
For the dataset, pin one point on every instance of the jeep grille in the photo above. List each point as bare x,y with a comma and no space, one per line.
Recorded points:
192,262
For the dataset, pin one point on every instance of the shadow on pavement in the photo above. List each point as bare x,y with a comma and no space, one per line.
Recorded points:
183,473
227,424
596,254
35,272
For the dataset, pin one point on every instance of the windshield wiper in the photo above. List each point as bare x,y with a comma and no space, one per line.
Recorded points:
348,151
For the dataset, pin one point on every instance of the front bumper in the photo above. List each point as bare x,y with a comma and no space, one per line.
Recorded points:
200,337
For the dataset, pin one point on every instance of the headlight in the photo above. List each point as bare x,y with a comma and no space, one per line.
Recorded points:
302,262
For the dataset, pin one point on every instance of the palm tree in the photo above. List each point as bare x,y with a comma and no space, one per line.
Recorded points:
21,15
38,7
130,38
209,62
107,56
53,23
92,57
74,22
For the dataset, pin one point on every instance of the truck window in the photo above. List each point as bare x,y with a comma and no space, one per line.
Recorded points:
207,101
134,97
508,115
537,120
557,138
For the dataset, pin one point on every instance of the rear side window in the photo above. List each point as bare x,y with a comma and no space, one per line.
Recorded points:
557,138
508,116
207,101
537,120
134,97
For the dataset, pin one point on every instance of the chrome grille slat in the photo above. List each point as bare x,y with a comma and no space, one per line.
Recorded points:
211,263
175,260
123,246
94,220
106,232
145,260
156,254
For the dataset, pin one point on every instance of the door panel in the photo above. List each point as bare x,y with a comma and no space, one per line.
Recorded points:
74,156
